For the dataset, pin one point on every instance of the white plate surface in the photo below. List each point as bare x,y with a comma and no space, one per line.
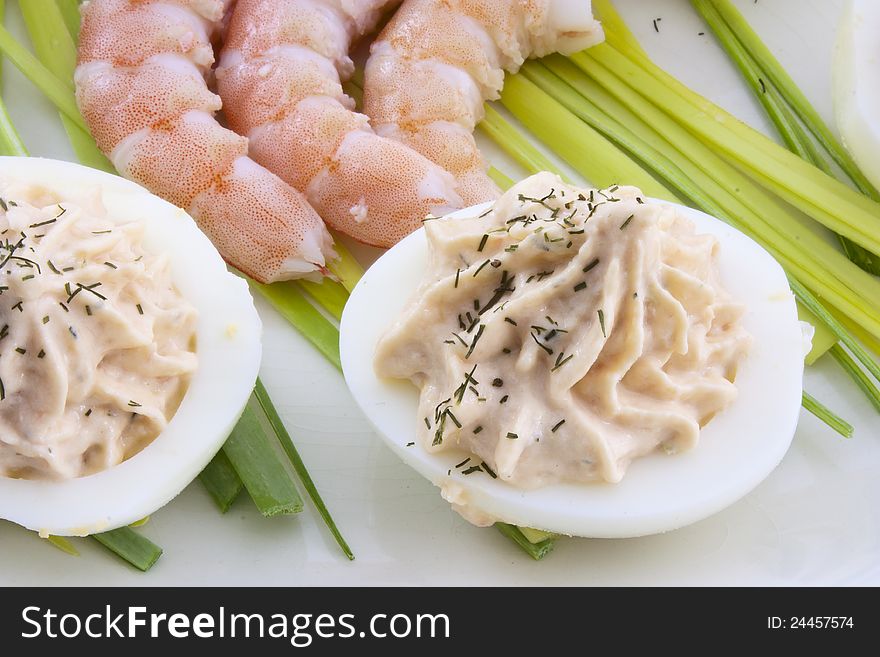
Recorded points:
815,520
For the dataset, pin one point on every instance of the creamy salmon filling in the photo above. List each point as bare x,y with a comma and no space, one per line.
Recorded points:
97,346
566,332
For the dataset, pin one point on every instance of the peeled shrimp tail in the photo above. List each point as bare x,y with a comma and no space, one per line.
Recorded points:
141,88
280,77
437,61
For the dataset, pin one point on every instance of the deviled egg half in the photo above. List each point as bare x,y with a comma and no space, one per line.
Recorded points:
127,350
587,362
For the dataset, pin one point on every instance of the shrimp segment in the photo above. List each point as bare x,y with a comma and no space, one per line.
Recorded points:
437,61
280,77
141,88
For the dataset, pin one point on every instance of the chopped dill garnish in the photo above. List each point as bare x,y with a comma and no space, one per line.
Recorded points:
480,268
580,286
88,412
453,418
140,310
111,265
626,223
462,464
475,340
460,339
133,403
45,319
497,383
483,241
557,425
592,264
512,435
91,289
427,422
478,429
437,414
540,344
472,469
457,273
52,267
489,470
504,399
21,350
27,277
44,223
41,354
602,322
410,444
468,379
560,363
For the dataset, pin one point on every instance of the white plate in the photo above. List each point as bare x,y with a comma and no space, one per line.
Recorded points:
815,520
737,450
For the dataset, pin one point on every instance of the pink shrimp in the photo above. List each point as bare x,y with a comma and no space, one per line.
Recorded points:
141,88
280,77
437,61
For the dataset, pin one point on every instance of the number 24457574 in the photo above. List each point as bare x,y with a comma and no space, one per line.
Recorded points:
810,623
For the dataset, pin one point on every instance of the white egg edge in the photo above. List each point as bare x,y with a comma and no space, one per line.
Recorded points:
759,425
229,351
856,84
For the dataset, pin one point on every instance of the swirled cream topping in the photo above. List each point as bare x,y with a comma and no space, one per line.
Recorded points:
96,344
565,332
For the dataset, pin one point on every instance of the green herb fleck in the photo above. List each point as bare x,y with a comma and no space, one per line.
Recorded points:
592,264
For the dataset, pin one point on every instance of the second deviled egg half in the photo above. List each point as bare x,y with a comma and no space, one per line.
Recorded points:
583,361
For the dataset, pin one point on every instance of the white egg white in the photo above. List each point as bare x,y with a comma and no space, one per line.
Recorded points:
737,449
228,349
856,78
